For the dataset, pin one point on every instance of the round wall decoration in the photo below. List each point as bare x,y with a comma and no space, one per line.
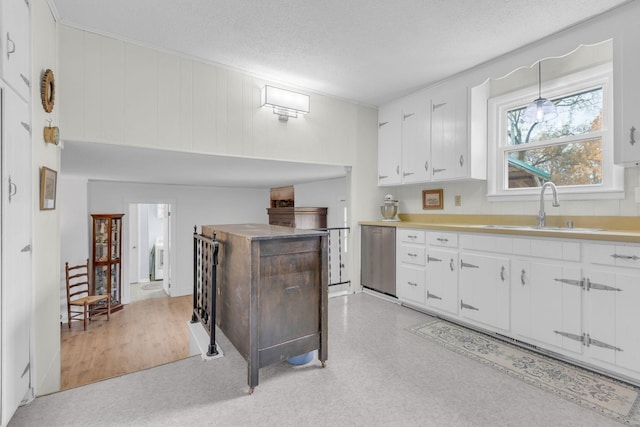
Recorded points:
48,90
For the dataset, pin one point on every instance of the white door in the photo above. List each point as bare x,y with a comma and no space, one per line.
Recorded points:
16,253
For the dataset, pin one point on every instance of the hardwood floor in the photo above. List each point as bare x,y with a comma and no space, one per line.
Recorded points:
144,334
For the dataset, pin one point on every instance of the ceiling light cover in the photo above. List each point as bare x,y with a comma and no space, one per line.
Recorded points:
285,103
541,109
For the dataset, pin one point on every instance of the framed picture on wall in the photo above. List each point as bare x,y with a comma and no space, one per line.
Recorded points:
432,199
48,182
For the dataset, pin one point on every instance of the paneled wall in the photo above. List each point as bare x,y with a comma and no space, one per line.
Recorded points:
120,93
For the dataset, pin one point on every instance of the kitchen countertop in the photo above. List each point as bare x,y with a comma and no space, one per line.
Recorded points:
610,228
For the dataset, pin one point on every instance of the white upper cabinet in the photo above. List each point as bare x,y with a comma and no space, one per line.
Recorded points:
389,145
449,139
416,139
432,139
627,134
14,50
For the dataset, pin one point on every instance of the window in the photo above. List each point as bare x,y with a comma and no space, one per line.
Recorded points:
574,150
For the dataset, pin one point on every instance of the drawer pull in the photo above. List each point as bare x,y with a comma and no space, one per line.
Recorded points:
631,257
412,255
443,240
412,284
412,236
292,288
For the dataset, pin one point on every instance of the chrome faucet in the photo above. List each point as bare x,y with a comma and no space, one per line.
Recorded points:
542,216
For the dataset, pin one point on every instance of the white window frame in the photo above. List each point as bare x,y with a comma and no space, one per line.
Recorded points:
612,186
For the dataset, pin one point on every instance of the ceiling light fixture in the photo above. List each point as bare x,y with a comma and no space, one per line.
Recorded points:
541,109
284,102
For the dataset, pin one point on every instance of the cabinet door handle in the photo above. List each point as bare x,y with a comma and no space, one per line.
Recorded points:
430,258
466,264
432,296
632,135
426,166
522,274
406,116
292,288
382,124
630,257
412,284
398,170
461,161
13,189
502,273
11,46
452,265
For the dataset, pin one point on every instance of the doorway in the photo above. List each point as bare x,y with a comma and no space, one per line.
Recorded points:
150,250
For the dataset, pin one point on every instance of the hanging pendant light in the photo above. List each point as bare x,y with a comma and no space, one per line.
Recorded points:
541,109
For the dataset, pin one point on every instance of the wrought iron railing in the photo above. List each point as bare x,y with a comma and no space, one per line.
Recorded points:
205,265
338,272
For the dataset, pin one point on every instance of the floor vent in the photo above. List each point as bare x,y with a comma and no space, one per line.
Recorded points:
517,342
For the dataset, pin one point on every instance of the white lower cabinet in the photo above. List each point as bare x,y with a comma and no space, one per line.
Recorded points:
546,304
442,280
571,297
484,289
410,262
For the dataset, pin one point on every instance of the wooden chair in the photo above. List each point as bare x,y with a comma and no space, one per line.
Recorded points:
81,305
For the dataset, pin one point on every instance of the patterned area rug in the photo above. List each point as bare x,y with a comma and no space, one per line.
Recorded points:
604,395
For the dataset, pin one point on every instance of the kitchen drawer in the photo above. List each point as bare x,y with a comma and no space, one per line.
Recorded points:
617,255
486,243
411,285
547,248
412,254
408,235
448,240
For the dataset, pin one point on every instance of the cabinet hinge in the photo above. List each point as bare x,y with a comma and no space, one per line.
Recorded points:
26,126
406,116
572,282
438,106
575,337
382,124
467,306
599,287
432,296
26,80
590,341
26,248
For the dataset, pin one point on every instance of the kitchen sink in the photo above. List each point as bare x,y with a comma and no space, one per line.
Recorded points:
537,228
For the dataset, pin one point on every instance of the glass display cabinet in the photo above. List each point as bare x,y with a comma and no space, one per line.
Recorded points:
106,257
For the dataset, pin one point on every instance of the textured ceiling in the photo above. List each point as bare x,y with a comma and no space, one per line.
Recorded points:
365,51
362,50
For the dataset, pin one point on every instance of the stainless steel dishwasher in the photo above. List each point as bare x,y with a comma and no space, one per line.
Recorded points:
378,259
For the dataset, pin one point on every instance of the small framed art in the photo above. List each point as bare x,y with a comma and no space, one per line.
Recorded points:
48,181
432,199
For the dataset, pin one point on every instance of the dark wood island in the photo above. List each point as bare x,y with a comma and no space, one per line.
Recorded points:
272,292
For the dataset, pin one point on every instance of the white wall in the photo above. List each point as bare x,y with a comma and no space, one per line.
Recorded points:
46,224
190,206
330,194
